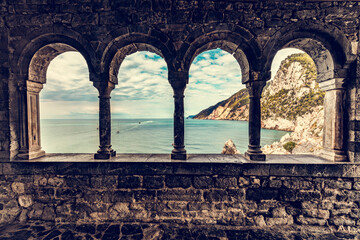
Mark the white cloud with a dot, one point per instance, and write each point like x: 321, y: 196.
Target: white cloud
x: 214, y: 76
x: 68, y: 71
x: 143, y: 90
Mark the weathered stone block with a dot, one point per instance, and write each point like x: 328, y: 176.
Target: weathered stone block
x: 36, y: 211
x: 144, y: 195
x: 279, y: 221
x: 225, y: 182
x: 338, y: 212
x: 309, y: 204
x: 279, y: 212
x: 178, y: 181
x: 215, y: 196
x: 243, y: 182
x: 18, y: 187
x: 121, y: 196
x: 69, y: 193
x: 236, y: 195
x: 194, y: 206
x: 317, y: 213
x: 45, y: 193
x: 310, y: 221
x: 296, y: 184
x: 275, y: 183
x: 55, y: 181
x: 48, y: 214
x: 338, y: 184
x: 129, y: 182
x: 153, y: 182
x: 78, y: 181
x: 356, y: 186
x: 344, y: 205
x: 119, y: 209
x: 327, y: 205
x: 342, y: 221
x: 180, y: 195
x: 262, y: 194
x: 26, y: 201
x: 203, y: 182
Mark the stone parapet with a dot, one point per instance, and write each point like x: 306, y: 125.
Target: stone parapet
x: 231, y: 191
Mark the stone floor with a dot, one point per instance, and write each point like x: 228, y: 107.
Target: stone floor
x: 48, y: 231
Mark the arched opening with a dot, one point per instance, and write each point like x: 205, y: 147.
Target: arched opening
x: 142, y: 103
x: 30, y: 143
x: 69, y: 106
x: 327, y: 87
x: 293, y: 101
x: 213, y: 90
x: 215, y: 93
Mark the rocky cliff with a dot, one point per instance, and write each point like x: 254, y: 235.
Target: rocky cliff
x: 292, y: 101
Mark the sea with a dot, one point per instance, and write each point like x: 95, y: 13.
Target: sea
x: 147, y: 135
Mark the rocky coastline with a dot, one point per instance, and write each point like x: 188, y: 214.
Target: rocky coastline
x: 291, y: 102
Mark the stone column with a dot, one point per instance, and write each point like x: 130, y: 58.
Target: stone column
x: 30, y: 144
x: 333, y: 131
x: 178, y: 82
x: 254, y: 150
x: 105, y: 151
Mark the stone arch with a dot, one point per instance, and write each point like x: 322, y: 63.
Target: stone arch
x: 142, y: 39
x: 45, y: 44
x: 32, y: 61
x: 233, y: 39
x: 325, y: 44
x: 331, y: 53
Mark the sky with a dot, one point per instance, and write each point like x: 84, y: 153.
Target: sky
x: 143, y: 90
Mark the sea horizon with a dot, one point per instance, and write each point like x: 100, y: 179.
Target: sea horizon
x: 148, y: 135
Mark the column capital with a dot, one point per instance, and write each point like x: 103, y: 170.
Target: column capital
x: 104, y: 88
x: 332, y: 84
x: 178, y: 79
x: 34, y: 87
x: 255, y: 88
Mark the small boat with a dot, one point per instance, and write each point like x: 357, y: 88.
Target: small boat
x: 118, y: 132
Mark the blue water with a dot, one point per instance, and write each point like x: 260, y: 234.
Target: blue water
x: 147, y: 135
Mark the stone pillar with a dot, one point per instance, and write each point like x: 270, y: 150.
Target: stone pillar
x: 30, y: 145
x: 178, y: 82
x: 105, y: 151
x: 254, y: 150
x: 333, y: 131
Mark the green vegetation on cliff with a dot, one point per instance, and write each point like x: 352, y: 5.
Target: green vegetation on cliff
x: 284, y: 103
x: 292, y: 93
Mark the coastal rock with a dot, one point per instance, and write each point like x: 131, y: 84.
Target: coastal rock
x: 307, y: 135
x: 230, y: 148
x: 292, y: 101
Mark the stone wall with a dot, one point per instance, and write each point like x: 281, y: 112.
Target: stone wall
x: 297, y: 197
x: 104, y: 32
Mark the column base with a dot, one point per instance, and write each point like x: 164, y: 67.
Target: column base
x: 333, y: 155
x: 31, y: 155
x: 255, y: 156
x: 105, y: 155
x: 177, y: 154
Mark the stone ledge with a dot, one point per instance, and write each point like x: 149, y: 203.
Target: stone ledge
x: 202, y: 164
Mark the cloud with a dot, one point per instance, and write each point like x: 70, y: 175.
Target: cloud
x: 214, y: 76
x: 143, y: 90
x: 67, y: 79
